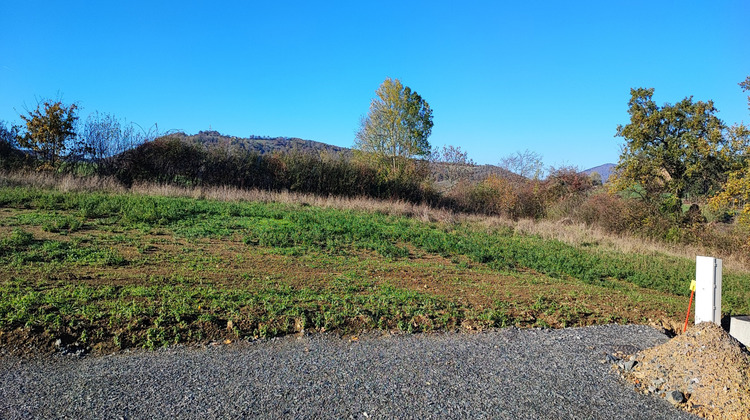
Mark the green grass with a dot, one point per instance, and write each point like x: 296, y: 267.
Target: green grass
x: 54, y: 237
x: 168, y: 313
x: 20, y: 249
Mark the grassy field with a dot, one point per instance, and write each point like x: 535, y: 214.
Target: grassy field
x: 118, y: 270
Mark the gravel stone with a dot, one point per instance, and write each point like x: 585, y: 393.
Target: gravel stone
x: 501, y: 374
x: 675, y: 397
x: 612, y: 359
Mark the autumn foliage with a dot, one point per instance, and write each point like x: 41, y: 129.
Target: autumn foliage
x: 49, y: 129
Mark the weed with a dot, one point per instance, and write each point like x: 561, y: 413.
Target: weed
x: 17, y: 241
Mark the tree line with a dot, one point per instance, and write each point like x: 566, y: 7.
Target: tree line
x: 681, y: 166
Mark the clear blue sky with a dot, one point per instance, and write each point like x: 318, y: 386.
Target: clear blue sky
x: 549, y: 76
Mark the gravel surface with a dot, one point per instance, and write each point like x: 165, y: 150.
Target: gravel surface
x: 508, y: 373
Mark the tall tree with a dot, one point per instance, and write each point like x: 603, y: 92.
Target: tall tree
x: 8, y: 134
x: 673, y: 149
x: 735, y: 193
x: 49, y: 129
x: 397, y: 126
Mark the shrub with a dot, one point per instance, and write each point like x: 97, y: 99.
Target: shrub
x: 170, y: 160
x: 529, y: 201
x: 497, y: 196
x: 605, y: 210
x: 493, y: 196
x: 564, y: 183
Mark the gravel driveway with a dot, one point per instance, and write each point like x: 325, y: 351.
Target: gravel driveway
x: 508, y: 373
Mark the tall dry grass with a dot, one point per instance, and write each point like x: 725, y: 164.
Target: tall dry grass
x: 390, y: 207
x: 567, y: 231
x: 580, y: 234
x: 60, y: 182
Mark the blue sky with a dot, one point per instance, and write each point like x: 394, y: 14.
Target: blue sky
x: 549, y: 76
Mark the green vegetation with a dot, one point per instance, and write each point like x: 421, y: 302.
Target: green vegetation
x: 395, y: 129
x: 114, y: 271
x: 683, y: 151
x: 673, y: 150
x: 677, y: 158
x: 735, y: 193
x: 49, y: 129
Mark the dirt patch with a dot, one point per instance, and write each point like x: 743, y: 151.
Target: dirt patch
x: 25, y: 341
x: 533, y: 299
x: 708, y: 366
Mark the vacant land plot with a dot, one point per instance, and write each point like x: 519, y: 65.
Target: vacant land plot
x: 111, y: 271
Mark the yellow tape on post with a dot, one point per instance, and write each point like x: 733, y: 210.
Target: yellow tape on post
x: 687, y: 315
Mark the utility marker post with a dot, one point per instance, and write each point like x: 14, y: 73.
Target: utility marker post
x: 708, y: 290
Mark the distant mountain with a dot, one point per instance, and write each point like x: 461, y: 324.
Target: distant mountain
x: 260, y: 144
x: 604, y: 170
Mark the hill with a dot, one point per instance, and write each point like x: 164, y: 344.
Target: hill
x: 267, y: 145
x: 261, y: 144
x: 604, y: 170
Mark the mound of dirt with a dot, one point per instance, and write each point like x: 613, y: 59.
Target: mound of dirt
x: 708, y: 366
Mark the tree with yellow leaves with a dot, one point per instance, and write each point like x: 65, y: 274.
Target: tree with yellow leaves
x: 735, y: 193
x: 49, y: 129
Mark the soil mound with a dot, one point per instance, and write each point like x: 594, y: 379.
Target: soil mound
x: 707, y: 365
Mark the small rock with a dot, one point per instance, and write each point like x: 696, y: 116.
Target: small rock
x: 58, y: 342
x: 612, y: 359
x: 629, y: 365
x: 675, y: 397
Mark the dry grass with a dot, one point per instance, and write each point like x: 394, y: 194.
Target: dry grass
x: 580, y: 234
x: 65, y: 183
x: 562, y: 230
x: 390, y: 207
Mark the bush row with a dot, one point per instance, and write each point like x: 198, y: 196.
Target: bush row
x: 520, y: 198
x: 173, y: 161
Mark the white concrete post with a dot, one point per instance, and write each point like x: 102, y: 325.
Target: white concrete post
x: 707, y: 290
